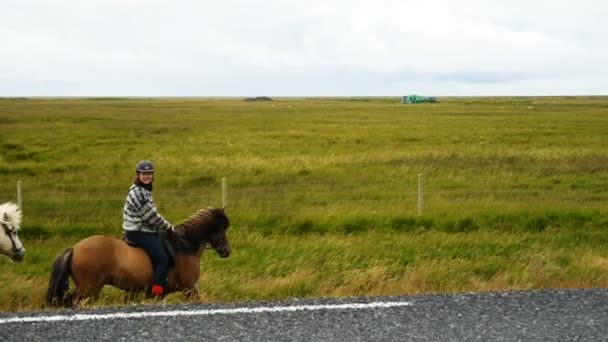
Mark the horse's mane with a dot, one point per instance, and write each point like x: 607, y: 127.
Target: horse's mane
x: 191, y: 233
x: 10, y: 213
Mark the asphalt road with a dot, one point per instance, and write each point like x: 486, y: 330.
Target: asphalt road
x: 577, y: 315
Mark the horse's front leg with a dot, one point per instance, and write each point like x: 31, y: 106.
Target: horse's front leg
x: 185, y: 276
x: 191, y: 294
x: 133, y: 296
x: 186, y: 286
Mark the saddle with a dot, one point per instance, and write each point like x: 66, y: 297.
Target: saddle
x: 166, y: 246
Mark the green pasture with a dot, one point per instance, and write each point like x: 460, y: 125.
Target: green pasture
x: 322, y: 192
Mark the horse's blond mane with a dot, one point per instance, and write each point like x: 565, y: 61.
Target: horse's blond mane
x: 10, y: 213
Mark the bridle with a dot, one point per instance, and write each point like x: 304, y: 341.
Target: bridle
x: 10, y: 233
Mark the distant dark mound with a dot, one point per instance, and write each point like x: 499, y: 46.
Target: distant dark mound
x: 259, y: 98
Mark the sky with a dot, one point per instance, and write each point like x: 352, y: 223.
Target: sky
x: 303, y: 48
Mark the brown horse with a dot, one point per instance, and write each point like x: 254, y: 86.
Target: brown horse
x: 102, y: 260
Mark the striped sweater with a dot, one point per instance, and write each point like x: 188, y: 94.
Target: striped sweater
x: 140, y: 213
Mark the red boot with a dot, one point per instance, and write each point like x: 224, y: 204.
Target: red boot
x: 157, y: 291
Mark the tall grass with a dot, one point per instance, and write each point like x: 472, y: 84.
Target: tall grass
x: 340, y: 173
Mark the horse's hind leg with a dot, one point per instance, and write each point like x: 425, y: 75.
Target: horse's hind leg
x: 84, y: 294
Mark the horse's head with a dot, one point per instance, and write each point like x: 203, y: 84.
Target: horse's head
x: 219, y: 242
x: 216, y: 235
x: 207, y: 226
x: 10, y: 219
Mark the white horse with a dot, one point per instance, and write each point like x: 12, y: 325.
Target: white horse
x: 10, y: 220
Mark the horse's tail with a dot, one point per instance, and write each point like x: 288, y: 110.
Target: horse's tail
x: 59, y: 283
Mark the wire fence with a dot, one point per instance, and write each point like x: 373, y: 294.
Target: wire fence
x: 80, y: 204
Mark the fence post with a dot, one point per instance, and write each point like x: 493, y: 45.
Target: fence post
x: 19, y: 200
x: 419, y: 194
x: 224, y: 193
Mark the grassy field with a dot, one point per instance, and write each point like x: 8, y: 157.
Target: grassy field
x: 322, y: 192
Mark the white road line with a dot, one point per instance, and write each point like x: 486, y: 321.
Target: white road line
x: 253, y: 310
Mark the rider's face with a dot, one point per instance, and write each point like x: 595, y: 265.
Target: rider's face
x: 146, y: 177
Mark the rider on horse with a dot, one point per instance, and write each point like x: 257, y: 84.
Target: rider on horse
x: 142, y: 224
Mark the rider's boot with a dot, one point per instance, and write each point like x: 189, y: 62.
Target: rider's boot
x: 157, y: 291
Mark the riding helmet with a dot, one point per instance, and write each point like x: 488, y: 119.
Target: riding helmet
x: 144, y: 166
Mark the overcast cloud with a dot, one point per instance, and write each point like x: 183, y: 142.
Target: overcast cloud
x: 303, y: 48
